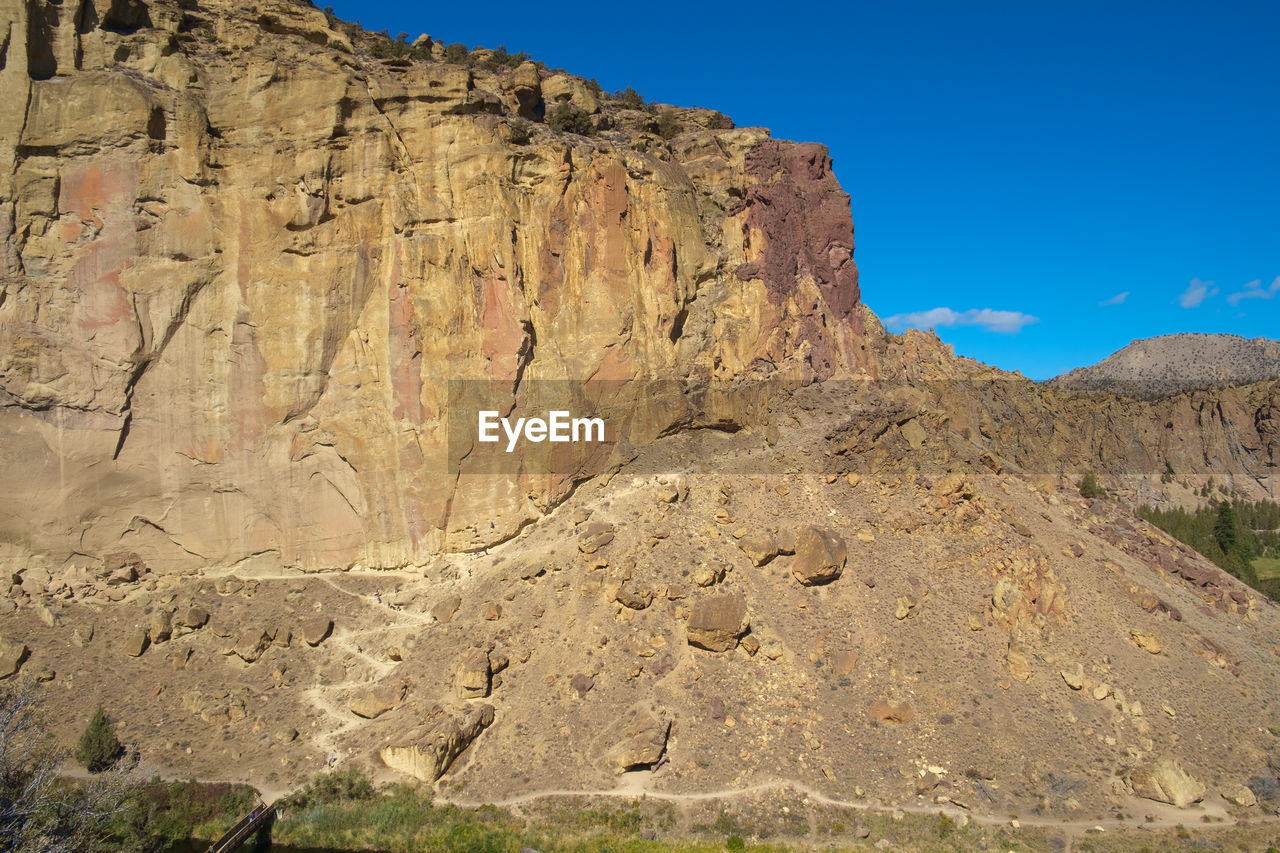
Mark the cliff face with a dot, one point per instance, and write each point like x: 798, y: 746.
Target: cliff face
x: 242, y: 263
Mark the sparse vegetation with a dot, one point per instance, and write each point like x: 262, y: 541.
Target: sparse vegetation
x: 39, y: 810
x: 1241, y: 537
x: 98, y: 747
x: 501, y: 58
x: 567, y: 118
x: 457, y: 53
x: 1089, y: 487
x: 630, y: 99
x: 668, y: 125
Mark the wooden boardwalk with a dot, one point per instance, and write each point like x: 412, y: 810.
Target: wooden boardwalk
x: 261, y: 815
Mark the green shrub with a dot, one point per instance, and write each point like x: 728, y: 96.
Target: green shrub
x: 567, y: 118
x: 457, y: 53
x: 668, y: 125
x: 343, y: 786
x: 1089, y: 487
x: 98, y: 747
x: 735, y: 842
x: 630, y: 98
x: 500, y: 58
x: 720, y: 121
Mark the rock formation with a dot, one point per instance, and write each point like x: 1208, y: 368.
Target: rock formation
x: 242, y: 267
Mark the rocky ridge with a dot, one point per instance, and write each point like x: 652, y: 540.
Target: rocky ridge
x: 232, y: 304
x: 1171, y: 364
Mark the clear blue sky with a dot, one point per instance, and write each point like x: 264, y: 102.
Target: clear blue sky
x: 1023, y: 157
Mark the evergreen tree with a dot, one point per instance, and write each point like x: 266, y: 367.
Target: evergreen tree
x: 1089, y: 487
x: 1224, y: 529
x: 98, y: 747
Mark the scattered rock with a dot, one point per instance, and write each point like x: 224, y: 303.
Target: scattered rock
x: 122, y: 567
x: 83, y: 634
x: 717, y: 622
x: 633, y: 598
x: 472, y: 678
x: 371, y: 704
x: 582, y: 684
x: 229, y: 585
x: 1239, y: 795
x: 1166, y: 782
x: 47, y: 613
x: 1019, y: 661
x: 194, y: 618
x: 12, y: 655
x: 760, y: 547
x: 316, y: 629
x: 641, y: 739
x: 597, y: 535
x: 843, y: 661
x: 1146, y: 642
x: 1075, y: 677
x: 904, y: 607
x: 492, y: 612
x: 136, y: 644
x: 448, y: 729
x: 900, y: 712
x: 251, y: 645
x: 444, y: 609
x: 820, y: 556
x: 708, y: 574
x: 161, y: 627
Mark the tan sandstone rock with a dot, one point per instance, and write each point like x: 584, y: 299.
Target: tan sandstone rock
x: 820, y: 556
x: 717, y: 622
x: 427, y: 751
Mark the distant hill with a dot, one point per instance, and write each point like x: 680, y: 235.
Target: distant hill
x: 1169, y: 364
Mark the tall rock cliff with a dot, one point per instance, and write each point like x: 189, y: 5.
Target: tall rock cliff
x: 243, y: 261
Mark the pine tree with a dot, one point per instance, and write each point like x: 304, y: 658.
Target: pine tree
x: 1224, y: 529
x: 1089, y: 487
x: 98, y: 747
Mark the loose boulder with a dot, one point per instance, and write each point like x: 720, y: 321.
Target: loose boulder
x: 820, y: 556
x: 444, y: 609
x: 1166, y: 782
x: 194, y: 618
x: 12, y: 656
x: 760, y: 548
x: 427, y: 751
x: 639, y: 740
x: 716, y: 623
x: 894, y: 712
x: 161, y: 626
x: 371, y: 704
x: 473, y: 676
x: 315, y: 630
x: 251, y: 645
x: 597, y: 535
x: 136, y: 644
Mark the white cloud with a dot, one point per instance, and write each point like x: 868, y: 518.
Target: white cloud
x: 1255, y: 290
x: 1005, y: 322
x: 1118, y: 299
x: 1197, y: 291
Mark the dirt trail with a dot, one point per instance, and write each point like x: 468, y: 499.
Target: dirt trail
x: 635, y: 785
